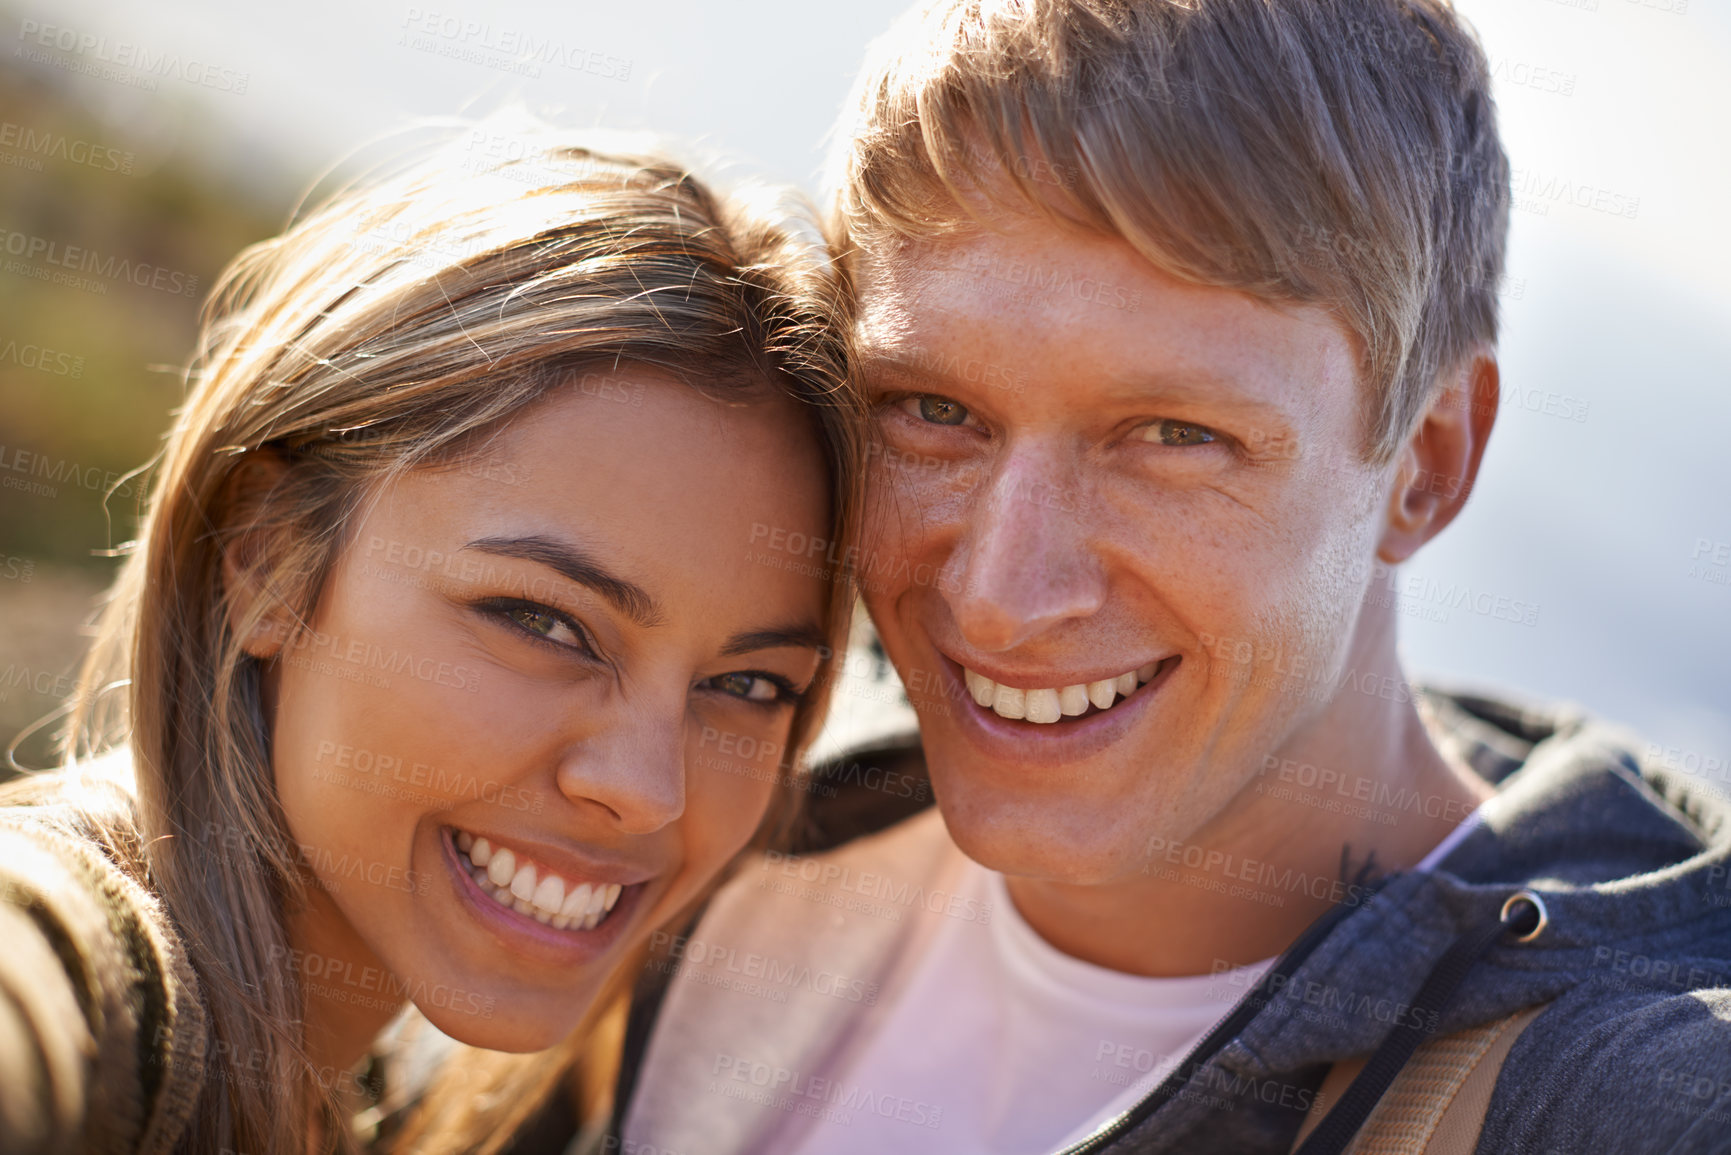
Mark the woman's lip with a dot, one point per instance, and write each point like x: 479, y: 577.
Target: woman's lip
x: 524, y: 935
x: 1032, y: 744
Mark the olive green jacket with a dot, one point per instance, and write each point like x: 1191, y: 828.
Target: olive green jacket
x: 102, y: 1029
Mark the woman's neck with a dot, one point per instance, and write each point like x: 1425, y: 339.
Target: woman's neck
x: 347, y: 991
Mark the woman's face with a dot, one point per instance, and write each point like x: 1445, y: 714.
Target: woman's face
x: 542, y: 700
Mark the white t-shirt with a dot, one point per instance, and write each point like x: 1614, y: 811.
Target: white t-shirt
x: 1023, y: 1048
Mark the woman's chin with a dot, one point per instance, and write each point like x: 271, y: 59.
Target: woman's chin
x: 519, y: 1032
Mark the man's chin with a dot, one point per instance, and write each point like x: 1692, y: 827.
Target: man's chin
x: 1052, y: 839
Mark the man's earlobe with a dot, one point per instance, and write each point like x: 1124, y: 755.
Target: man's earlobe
x: 1440, y: 463
x: 257, y: 615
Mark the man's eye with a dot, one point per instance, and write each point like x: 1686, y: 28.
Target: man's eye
x: 936, y: 410
x: 1175, y: 433
x: 753, y: 687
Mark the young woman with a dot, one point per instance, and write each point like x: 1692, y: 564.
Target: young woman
x: 455, y: 656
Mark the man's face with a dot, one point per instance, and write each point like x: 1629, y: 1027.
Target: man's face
x: 1090, y: 477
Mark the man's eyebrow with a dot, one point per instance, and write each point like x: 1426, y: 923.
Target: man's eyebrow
x: 578, y: 566
x: 804, y: 637
x: 1183, y: 387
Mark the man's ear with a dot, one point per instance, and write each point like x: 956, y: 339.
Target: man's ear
x: 1440, y: 464
x: 256, y: 614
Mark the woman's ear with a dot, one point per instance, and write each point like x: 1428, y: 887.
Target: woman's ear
x: 1440, y: 464
x: 257, y: 614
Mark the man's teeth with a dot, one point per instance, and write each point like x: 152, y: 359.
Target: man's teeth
x: 543, y: 895
x: 1047, y: 706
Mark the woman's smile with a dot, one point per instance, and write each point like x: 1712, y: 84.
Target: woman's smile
x: 571, y: 914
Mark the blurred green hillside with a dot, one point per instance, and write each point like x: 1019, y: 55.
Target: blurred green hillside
x: 90, y: 367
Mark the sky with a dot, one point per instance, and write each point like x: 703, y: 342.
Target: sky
x: 1604, y: 507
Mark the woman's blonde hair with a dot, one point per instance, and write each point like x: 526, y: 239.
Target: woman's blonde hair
x: 392, y: 328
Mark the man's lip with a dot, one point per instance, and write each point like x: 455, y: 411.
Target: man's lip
x: 573, y: 866
x: 1008, y: 742
x: 1022, y: 680
x: 524, y: 934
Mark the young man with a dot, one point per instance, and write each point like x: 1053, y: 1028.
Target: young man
x: 1180, y: 324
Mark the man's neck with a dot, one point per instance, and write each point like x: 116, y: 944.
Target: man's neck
x: 1360, y: 792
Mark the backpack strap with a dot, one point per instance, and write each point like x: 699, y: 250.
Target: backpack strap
x: 1437, y: 1104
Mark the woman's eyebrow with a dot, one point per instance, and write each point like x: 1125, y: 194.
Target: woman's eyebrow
x: 805, y: 637
x: 581, y: 567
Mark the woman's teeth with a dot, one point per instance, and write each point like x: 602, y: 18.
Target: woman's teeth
x: 1046, y: 706
x: 542, y: 895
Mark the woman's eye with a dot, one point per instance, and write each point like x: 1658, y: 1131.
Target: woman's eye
x: 936, y: 410
x: 752, y: 687
x: 1175, y: 433
x: 547, y: 625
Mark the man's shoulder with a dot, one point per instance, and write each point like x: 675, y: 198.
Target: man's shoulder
x: 1637, y: 1068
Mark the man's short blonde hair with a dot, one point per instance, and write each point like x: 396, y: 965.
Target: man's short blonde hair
x: 1342, y: 153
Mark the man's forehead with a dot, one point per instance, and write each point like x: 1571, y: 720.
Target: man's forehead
x: 1054, y: 294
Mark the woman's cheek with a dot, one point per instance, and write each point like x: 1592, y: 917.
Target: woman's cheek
x: 727, y: 796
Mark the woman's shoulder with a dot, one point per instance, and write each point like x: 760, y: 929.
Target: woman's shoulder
x: 102, y: 1031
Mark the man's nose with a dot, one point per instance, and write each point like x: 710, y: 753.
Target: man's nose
x: 1023, y: 561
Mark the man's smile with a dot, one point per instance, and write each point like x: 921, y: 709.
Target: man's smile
x: 1047, y: 705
